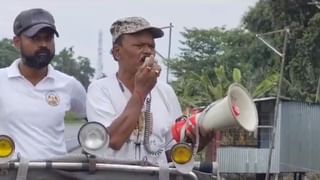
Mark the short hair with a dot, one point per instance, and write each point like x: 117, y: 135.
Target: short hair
x: 117, y: 42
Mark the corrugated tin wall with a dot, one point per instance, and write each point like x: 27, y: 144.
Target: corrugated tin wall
x: 246, y: 160
x: 297, y: 147
x: 300, y: 137
x: 249, y: 160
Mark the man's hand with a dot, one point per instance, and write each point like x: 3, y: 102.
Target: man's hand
x: 146, y: 76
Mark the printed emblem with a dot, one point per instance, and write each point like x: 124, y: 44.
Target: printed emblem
x: 52, y: 98
x: 156, y: 142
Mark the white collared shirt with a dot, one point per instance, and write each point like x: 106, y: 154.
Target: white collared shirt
x: 106, y: 101
x: 34, y: 115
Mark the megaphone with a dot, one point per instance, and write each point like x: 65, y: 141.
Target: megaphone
x: 236, y: 109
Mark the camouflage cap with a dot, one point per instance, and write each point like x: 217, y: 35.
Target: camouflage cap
x: 129, y: 25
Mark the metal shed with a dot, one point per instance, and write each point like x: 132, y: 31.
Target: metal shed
x: 297, y: 141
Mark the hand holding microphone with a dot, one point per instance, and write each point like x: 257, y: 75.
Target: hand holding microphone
x: 147, y: 75
x: 151, y: 64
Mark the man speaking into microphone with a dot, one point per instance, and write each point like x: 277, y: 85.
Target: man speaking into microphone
x: 137, y: 109
x: 120, y: 101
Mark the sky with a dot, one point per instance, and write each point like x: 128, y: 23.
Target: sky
x: 80, y: 21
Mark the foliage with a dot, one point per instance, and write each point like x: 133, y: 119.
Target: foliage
x: 78, y: 67
x: 8, y: 53
x: 213, y: 59
x: 303, y: 51
x: 209, y: 57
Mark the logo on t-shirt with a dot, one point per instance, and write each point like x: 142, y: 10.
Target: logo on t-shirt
x: 52, y: 98
x: 156, y: 144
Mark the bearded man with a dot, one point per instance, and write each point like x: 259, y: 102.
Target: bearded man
x: 34, y: 96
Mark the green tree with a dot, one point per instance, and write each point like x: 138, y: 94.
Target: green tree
x: 78, y: 67
x: 215, y: 58
x: 203, y: 50
x: 8, y: 53
x: 199, y: 90
x: 302, y: 64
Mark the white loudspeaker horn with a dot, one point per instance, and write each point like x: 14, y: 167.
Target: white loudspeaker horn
x: 236, y: 109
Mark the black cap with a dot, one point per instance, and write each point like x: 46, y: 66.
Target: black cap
x: 29, y: 22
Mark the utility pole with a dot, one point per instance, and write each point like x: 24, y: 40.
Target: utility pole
x: 169, y: 51
x: 276, y: 109
x: 99, y: 68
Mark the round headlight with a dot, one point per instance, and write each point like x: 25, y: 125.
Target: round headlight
x: 7, y: 147
x: 182, y: 157
x: 92, y: 136
x: 181, y: 153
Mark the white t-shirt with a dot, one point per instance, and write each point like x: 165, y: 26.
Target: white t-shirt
x: 34, y: 115
x: 106, y: 101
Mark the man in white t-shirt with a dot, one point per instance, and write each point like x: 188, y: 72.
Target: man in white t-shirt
x: 34, y: 96
x: 124, y: 101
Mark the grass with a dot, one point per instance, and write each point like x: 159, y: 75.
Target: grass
x: 73, y: 118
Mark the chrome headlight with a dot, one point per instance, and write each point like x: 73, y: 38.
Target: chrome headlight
x: 93, y: 138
